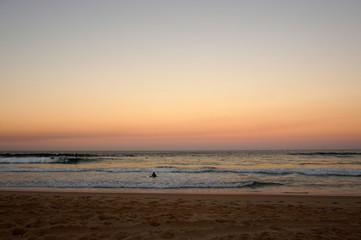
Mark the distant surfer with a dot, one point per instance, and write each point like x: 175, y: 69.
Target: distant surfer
x: 153, y: 175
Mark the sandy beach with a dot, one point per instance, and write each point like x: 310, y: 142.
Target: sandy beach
x: 61, y: 215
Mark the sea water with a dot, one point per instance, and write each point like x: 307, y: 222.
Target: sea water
x: 274, y: 172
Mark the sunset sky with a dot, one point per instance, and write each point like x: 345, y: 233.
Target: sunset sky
x: 180, y: 75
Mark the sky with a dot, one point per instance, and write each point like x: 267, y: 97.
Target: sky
x: 180, y: 75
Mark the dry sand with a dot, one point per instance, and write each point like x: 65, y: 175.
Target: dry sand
x: 36, y: 215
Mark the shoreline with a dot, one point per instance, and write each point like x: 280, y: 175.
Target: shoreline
x: 257, y: 196
x: 225, y: 192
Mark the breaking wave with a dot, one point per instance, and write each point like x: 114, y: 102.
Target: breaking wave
x: 44, y: 158
x: 16, y: 160
x: 24, y: 155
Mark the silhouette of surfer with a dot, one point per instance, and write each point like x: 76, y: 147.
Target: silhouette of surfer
x: 153, y: 175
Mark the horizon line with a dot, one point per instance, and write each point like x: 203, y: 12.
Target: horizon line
x: 188, y: 150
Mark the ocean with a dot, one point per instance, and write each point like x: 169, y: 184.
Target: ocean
x: 265, y: 172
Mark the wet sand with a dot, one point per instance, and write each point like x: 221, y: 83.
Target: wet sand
x: 61, y: 215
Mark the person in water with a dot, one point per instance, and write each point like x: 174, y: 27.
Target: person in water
x: 153, y: 175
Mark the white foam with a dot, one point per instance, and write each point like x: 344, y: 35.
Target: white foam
x: 11, y: 160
